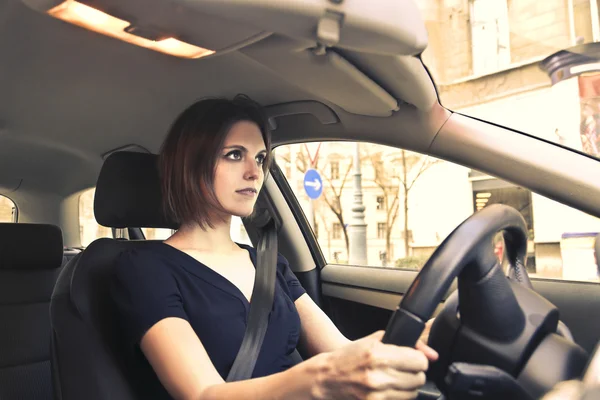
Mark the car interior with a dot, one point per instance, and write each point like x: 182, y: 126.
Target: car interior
x: 85, y: 108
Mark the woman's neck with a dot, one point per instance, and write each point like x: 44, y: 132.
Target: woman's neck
x: 214, y: 240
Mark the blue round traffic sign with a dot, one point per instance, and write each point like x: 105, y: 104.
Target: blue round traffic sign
x: 313, y: 184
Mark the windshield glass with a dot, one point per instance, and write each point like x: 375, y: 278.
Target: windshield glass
x: 529, y: 65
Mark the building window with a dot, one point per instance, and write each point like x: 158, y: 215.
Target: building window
x: 380, y: 203
x: 489, y: 35
x: 381, y: 230
x: 378, y: 170
x: 336, y: 232
x: 335, y: 170
x: 410, y: 235
x: 336, y: 256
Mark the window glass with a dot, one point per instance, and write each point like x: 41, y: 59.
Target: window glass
x: 380, y: 205
x: 412, y: 202
x: 238, y: 232
x: 336, y: 231
x: 157, y: 233
x: 381, y: 230
x: 8, y: 210
x: 490, y: 35
x: 89, y: 229
x: 335, y: 170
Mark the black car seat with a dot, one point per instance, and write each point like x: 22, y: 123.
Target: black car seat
x: 86, y: 362
x: 30, y: 259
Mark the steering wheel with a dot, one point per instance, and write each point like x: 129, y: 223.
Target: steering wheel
x: 500, y: 324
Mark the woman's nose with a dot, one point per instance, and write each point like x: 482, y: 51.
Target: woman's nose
x: 252, y: 169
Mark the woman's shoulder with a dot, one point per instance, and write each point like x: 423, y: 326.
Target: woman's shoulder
x: 140, y: 261
x: 152, y: 250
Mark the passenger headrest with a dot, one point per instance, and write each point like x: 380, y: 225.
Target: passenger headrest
x: 128, y: 192
x: 30, y: 246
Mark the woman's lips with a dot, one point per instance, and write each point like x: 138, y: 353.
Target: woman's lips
x: 247, y: 192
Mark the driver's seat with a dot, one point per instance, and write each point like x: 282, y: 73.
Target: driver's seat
x: 86, y: 361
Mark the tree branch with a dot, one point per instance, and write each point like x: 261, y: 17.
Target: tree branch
x: 424, y: 167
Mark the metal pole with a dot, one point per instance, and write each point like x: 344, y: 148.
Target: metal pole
x: 357, y: 228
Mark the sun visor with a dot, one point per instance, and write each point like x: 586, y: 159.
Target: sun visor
x: 403, y: 76
x: 328, y: 76
x: 387, y: 27
x: 320, y: 111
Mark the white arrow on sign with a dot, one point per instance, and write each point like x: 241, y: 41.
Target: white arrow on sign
x: 314, y: 184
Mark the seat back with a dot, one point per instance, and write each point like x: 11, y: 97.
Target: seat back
x: 30, y: 259
x: 87, y: 357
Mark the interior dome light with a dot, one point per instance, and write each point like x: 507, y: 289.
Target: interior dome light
x: 95, y: 20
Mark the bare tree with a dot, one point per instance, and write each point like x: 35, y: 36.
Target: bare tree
x: 332, y: 195
x: 334, y: 201
x: 395, y: 184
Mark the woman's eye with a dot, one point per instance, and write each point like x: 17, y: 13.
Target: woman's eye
x: 234, y: 155
x: 260, y: 159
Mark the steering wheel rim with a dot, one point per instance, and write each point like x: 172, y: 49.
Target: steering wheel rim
x: 467, y: 253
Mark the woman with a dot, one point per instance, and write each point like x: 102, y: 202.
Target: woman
x: 183, y: 303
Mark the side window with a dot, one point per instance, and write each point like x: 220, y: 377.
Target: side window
x: 157, y: 233
x: 237, y: 231
x: 89, y: 229
x: 412, y: 202
x: 8, y: 210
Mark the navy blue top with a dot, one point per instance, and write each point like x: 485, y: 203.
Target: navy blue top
x: 160, y: 281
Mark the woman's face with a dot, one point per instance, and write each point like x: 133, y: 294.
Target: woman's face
x: 239, y: 170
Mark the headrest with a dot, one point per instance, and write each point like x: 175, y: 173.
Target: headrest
x: 128, y: 192
x: 30, y: 246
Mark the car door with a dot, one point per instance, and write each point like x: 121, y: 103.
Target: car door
x: 406, y: 204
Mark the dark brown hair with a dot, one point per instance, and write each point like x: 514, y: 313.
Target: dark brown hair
x: 189, y: 154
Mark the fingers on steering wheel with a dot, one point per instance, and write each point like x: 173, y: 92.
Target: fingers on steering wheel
x: 430, y: 353
x: 400, y: 358
x: 389, y: 378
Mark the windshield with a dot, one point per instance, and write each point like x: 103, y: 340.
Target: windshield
x: 529, y: 65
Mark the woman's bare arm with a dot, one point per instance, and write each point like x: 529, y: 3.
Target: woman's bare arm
x: 320, y: 335
x: 186, y: 371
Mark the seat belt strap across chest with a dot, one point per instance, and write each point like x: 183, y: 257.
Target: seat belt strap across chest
x: 260, y: 306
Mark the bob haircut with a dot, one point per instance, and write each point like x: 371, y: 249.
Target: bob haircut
x: 189, y: 154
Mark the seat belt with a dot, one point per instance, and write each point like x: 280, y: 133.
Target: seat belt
x: 260, y: 305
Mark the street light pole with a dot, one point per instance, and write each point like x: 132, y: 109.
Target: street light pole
x: 357, y: 228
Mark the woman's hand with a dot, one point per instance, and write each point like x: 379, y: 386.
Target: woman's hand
x: 425, y: 334
x: 369, y: 369
x: 430, y: 353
